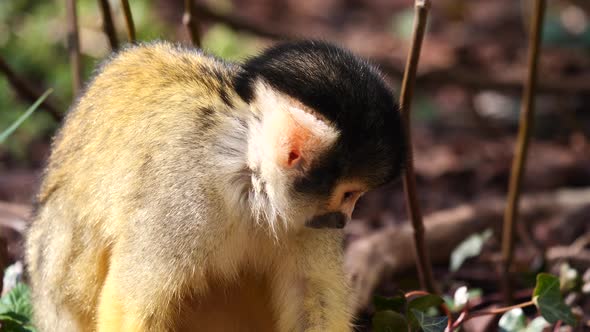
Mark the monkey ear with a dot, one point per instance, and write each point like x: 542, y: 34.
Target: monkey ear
x: 295, y: 143
x: 303, y: 137
x: 292, y: 135
x: 294, y: 158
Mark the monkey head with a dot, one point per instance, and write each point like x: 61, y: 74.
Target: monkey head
x: 327, y: 130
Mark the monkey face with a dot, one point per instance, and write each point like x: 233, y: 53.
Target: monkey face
x: 328, y: 220
x: 339, y: 207
x: 325, y: 117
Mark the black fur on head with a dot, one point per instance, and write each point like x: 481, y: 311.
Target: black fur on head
x: 348, y: 92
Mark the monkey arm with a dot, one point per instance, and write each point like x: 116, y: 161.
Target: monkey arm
x: 150, y: 273
x: 326, y: 300
x: 134, y: 299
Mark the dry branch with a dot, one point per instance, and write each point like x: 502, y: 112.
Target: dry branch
x: 526, y: 125
x: 189, y: 19
x: 128, y: 20
x: 26, y: 91
x: 73, y: 43
x: 407, y: 91
x: 376, y: 257
x: 107, y: 24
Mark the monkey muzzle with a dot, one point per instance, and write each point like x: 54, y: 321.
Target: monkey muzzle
x: 328, y: 220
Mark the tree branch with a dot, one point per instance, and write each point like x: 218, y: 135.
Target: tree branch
x: 128, y: 20
x: 189, y: 19
x: 524, y: 133
x: 407, y: 91
x: 107, y: 24
x: 383, y: 254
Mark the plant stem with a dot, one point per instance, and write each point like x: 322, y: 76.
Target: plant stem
x: 409, y: 179
x: 8, y: 131
x: 524, y: 133
x: 499, y: 310
x: 73, y: 44
x: 416, y: 293
x: 128, y: 20
x: 189, y: 20
x: 107, y: 23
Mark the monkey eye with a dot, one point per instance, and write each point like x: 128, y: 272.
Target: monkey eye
x: 348, y: 195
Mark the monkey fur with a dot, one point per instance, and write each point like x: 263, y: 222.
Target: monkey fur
x: 184, y: 193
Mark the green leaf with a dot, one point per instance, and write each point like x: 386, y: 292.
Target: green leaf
x: 548, y: 300
x: 13, y: 317
x: 470, y: 247
x: 395, y: 303
x: 512, y: 321
x: 17, y: 301
x: 23, y: 117
x: 422, y: 304
x: 389, y: 321
x: 13, y: 322
x: 430, y: 324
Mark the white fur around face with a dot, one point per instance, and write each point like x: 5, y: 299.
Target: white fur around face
x: 269, y: 144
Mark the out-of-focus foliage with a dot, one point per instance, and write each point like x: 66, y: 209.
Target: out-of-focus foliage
x: 33, y: 42
x: 227, y: 44
x: 567, y: 26
x: 16, y: 310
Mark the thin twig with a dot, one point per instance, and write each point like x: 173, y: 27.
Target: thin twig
x: 73, y: 43
x: 461, y: 319
x: 497, y: 311
x: 416, y: 293
x: 189, y: 20
x: 26, y: 92
x: 107, y: 24
x: 407, y: 91
x: 128, y: 20
x: 524, y: 132
x: 467, y: 315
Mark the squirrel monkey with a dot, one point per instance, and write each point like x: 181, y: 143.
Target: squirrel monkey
x: 184, y: 193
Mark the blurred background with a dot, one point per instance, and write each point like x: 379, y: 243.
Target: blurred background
x: 465, y: 117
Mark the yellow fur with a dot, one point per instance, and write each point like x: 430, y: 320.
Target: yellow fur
x: 133, y: 233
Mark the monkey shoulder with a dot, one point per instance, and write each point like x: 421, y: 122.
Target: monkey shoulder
x: 158, y: 70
